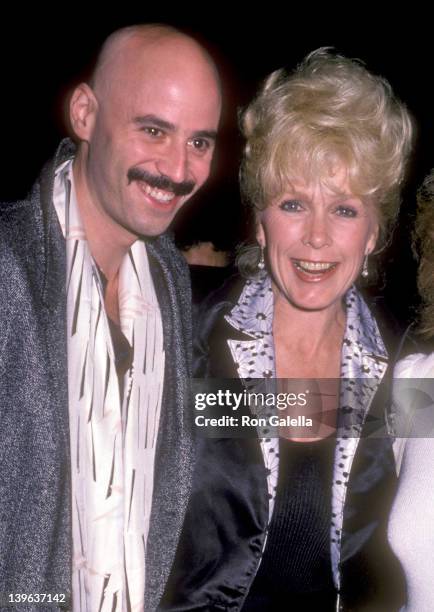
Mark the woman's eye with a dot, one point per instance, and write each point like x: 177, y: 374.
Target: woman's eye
x: 291, y: 206
x: 346, y: 211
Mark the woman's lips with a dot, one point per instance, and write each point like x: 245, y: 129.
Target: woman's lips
x: 313, y: 271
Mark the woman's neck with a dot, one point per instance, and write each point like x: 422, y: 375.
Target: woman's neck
x: 307, y: 343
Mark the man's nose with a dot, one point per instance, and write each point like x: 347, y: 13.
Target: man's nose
x: 173, y: 162
x: 317, y: 232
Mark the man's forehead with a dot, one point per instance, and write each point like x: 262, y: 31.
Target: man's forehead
x: 167, y: 100
x: 139, y: 57
x: 147, y: 78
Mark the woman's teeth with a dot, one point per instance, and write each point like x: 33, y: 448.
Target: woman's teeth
x: 313, y: 266
x: 162, y: 196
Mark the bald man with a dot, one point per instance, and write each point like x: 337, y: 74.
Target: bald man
x: 95, y: 332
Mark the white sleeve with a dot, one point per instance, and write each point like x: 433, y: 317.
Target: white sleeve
x: 417, y: 365
x: 413, y: 367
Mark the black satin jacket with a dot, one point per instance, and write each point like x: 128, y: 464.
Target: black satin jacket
x: 223, y: 535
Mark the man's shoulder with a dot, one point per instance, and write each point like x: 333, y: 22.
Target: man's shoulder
x: 20, y: 224
x: 23, y: 243
x: 11, y: 212
x: 30, y: 209
x: 16, y: 243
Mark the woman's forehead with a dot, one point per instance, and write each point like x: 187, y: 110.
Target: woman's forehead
x: 330, y: 184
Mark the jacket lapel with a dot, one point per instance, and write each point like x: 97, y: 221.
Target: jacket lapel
x: 252, y: 317
x: 364, y: 362
x: 54, y: 285
x: 174, y: 455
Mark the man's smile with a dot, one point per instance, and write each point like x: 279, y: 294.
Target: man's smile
x: 161, y: 200
x: 158, y: 194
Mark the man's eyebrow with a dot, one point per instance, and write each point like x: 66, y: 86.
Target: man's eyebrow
x: 211, y: 134
x: 170, y: 127
x: 155, y: 121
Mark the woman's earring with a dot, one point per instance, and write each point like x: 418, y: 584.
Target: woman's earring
x: 261, y: 262
x: 365, y: 271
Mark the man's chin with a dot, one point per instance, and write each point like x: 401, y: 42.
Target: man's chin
x: 151, y: 228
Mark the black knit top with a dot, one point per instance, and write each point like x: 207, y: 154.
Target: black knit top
x: 296, y: 565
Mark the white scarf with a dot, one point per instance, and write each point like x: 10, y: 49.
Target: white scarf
x: 113, y: 441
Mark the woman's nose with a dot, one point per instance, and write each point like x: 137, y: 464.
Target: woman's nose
x: 317, y: 233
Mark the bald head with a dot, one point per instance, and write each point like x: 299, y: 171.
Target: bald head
x: 162, y: 43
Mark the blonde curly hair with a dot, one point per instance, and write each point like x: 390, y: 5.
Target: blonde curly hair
x: 330, y: 111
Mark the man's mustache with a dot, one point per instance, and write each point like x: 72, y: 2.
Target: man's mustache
x: 160, y: 181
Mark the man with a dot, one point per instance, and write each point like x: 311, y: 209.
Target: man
x: 95, y: 449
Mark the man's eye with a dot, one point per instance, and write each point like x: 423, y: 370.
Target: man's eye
x: 291, y: 206
x: 200, y: 144
x: 346, y: 211
x: 153, y: 131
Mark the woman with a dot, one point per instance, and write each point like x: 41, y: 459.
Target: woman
x: 410, y: 530
x: 291, y: 523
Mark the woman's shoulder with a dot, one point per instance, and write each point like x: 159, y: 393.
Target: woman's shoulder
x: 211, y: 330
x: 417, y: 365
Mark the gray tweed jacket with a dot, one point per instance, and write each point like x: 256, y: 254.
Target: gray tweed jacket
x: 35, y: 522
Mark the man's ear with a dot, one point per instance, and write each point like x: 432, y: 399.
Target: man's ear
x: 83, y: 108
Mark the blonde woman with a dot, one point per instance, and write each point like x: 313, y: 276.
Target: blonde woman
x: 299, y: 522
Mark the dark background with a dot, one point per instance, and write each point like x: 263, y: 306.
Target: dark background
x: 43, y: 55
